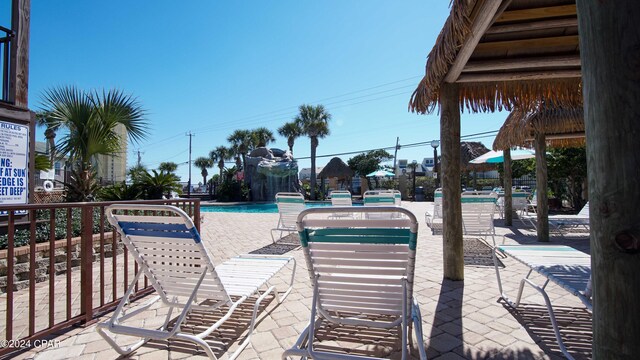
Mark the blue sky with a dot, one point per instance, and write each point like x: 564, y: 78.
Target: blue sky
x: 211, y: 67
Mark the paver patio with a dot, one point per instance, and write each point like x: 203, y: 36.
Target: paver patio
x: 460, y: 319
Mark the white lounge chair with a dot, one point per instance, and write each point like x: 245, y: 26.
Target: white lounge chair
x: 519, y: 201
x: 169, y: 252
x: 377, y: 198
x: 568, y: 222
x: 397, y: 196
x: 477, y: 215
x: 434, y: 221
x: 289, y: 206
x: 563, y: 265
x: 360, y: 269
x: 341, y: 198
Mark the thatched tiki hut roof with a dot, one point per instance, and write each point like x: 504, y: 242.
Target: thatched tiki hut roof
x: 336, y: 168
x: 562, y: 126
x: 504, y: 53
x: 493, y: 55
x: 470, y: 150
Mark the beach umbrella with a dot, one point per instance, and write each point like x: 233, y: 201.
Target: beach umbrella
x: 494, y: 157
x: 381, y: 173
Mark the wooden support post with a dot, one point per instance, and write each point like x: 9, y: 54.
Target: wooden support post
x: 508, y: 199
x: 19, y: 92
x: 541, y: 188
x: 610, y: 49
x: 451, y: 207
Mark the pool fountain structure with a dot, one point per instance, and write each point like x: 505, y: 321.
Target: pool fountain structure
x: 269, y: 171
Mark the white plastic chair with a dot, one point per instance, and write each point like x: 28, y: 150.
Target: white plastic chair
x: 289, y: 206
x: 169, y: 252
x: 360, y: 269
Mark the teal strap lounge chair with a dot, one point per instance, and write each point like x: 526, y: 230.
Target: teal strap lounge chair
x: 289, y: 206
x: 341, y: 198
x: 563, y: 265
x: 477, y: 215
x: 169, y: 252
x: 362, y: 273
x: 377, y: 198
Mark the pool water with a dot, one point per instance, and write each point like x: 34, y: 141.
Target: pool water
x: 253, y: 208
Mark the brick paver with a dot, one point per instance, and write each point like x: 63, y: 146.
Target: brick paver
x: 460, y: 319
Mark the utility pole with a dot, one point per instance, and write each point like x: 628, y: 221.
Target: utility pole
x: 190, y: 135
x: 139, y: 158
x: 395, y: 154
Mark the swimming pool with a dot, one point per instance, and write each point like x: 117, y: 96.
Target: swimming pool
x: 254, y: 208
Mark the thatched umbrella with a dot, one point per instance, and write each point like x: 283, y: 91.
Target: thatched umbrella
x: 562, y: 127
x: 336, y: 168
x: 470, y: 150
x: 553, y: 125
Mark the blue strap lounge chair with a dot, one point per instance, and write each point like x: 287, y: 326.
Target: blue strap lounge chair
x: 168, y: 249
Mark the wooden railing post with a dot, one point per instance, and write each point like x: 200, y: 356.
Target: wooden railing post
x: 86, y: 262
x: 196, y: 214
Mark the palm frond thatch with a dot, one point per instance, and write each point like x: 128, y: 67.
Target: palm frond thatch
x: 521, y: 126
x: 482, y: 96
x: 336, y: 168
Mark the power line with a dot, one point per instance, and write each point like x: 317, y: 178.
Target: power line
x: 422, y: 143
x: 288, y: 110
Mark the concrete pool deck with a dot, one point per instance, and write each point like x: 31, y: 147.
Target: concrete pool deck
x: 461, y: 320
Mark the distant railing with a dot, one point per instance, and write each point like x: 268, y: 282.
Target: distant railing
x: 5, y: 47
x: 77, y: 273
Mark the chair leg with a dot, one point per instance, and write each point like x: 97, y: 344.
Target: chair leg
x: 256, y: 306
x: 417, y: 328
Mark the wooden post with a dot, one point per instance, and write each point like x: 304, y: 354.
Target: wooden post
x: 20, y: 18
x: 451, y: 207
x: 86, y: 262
x: 541, y: 188
x: 508, y: 198
x: 610, y: 49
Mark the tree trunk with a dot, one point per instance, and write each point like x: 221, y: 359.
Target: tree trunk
x: 452, y: 209
x: 508, y: 196
x: 610, y: 54
x: 314, y: 145
x: 541, y: 188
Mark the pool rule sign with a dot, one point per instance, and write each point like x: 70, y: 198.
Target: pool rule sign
x: 14, y: 155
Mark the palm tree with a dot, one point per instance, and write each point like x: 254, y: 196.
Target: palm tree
x: 314, y: 122
x: 261, y: 137
x: 159, y: 184
x: 135, y: 173
x: 168, y: 166
x: 291, y: 131
x: 43, y: 118
x: 91, y: 119
x: 203, y: 163
x: 220, y: 154
x: 241, y: 141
